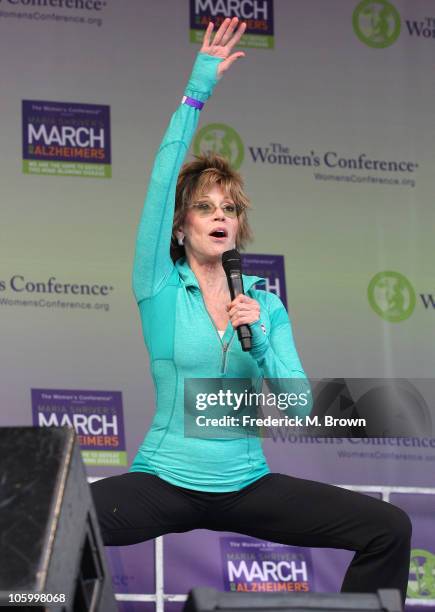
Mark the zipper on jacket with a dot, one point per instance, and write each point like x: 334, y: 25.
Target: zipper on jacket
x: 225, y: 348
x: 224, y: 356
x: 224, y: 345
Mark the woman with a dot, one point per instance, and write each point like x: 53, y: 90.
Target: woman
x: 178, y: 483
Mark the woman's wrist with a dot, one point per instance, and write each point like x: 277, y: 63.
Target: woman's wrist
x: 260, y: 341
x: 203, y: 78
x: 192, y: 102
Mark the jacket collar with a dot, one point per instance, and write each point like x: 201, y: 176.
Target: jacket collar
x: 190, y: 279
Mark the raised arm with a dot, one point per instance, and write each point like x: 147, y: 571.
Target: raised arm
x: 152, y: 263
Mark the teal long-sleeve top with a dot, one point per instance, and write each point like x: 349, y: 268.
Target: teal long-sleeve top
x: 181, y: 337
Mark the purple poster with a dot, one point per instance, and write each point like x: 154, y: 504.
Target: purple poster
x: 257, y: 566
x: 97, y: 417
x: 269, y: 267
x: 257, y: 14
x: 66, y: 139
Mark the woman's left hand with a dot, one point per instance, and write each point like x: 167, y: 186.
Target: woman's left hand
x: 243, y: 310
x: 227, y: 36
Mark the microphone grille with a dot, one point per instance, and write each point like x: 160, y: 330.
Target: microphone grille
x: 231, y: 260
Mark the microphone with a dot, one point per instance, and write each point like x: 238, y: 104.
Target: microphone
x: 232, y: 265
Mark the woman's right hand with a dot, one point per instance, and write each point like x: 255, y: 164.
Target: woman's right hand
x: 223, y: 42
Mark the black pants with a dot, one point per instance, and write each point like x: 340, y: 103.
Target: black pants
x: 136, y: 506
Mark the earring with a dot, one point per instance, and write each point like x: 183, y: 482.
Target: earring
x: 180, y: 240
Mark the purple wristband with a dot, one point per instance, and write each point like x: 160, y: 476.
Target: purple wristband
x: 192, y: 102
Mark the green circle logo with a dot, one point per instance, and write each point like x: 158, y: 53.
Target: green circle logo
x: 221, y: 139
x: 376, y: 23
x: 421, y: 583
x: 391, y: 296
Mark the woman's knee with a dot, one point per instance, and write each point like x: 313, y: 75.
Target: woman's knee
x: 402, y: 525
x: 396, y: 523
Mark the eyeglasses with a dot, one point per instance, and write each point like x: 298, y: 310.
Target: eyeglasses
x: 206, y: 209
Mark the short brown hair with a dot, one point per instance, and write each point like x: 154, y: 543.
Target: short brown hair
x: 197, y: 177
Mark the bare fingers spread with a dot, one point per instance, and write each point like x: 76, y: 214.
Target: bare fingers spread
x: 227, y: 36
x: 221, y: 31
x: 207, y: 35
x: 229, y: 31
x: 237, y: 35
